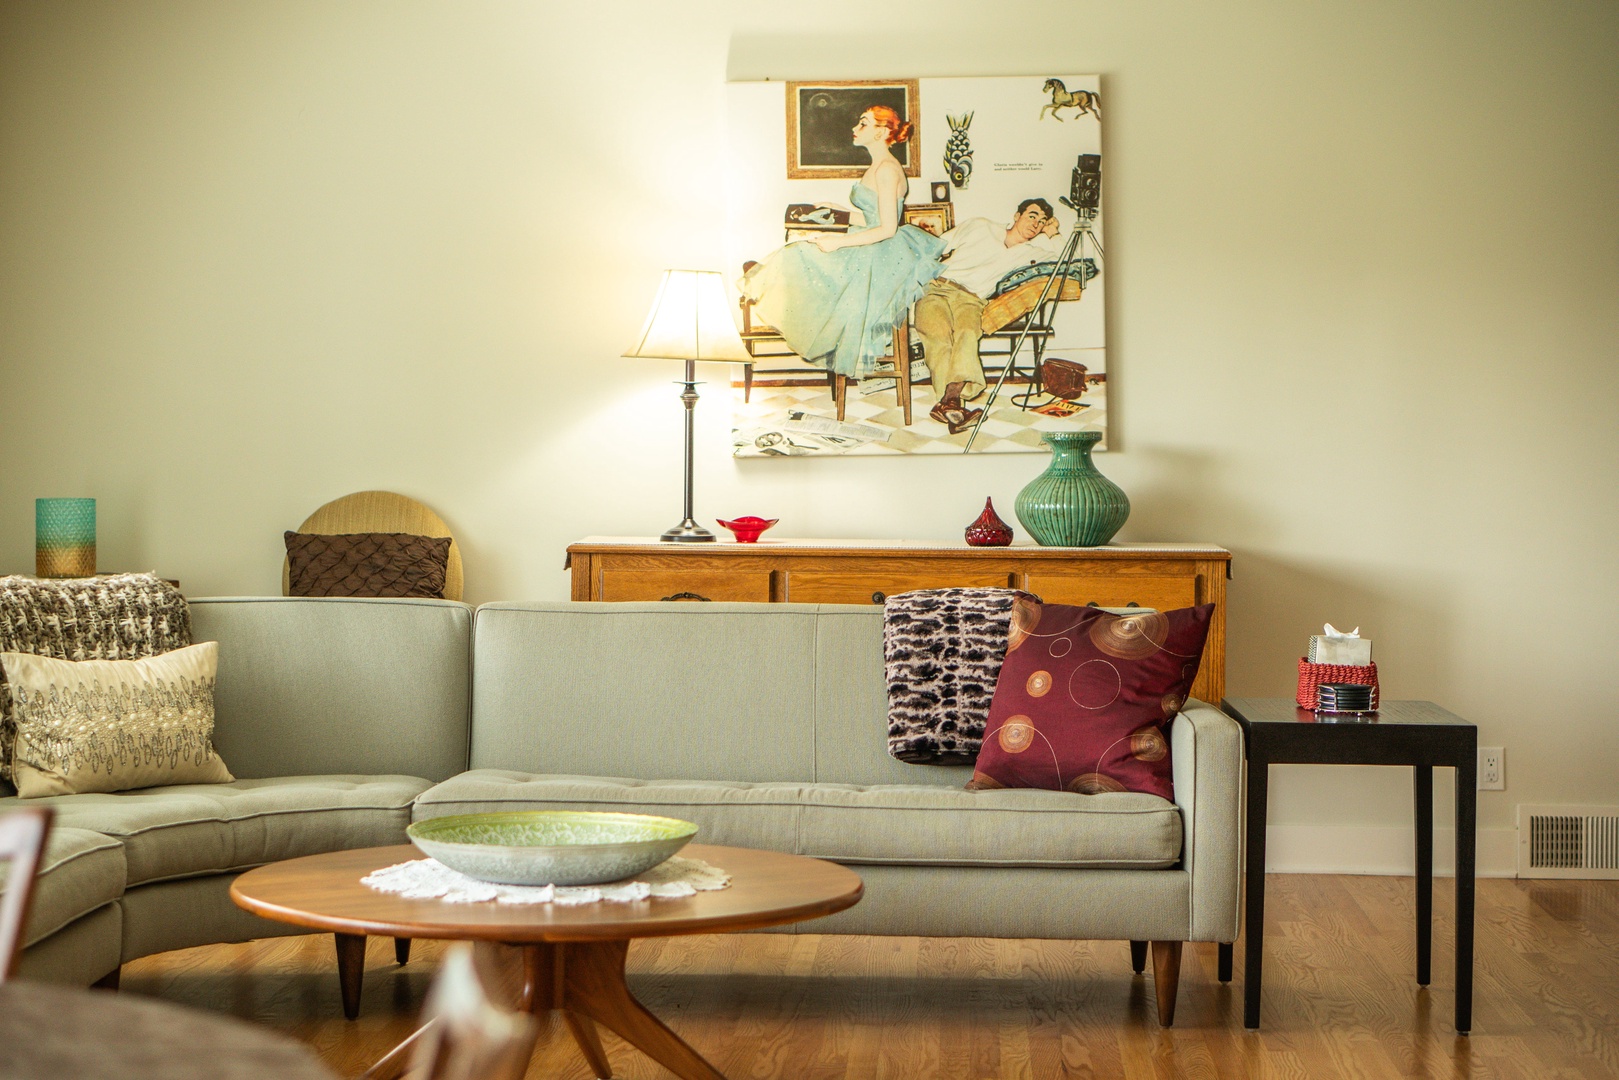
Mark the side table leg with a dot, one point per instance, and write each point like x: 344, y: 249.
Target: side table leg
x: 1423, y: 789
x: 1254, y: 902
x: 1466, y: 839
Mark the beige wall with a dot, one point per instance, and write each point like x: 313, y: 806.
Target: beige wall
x: 1363, y: 277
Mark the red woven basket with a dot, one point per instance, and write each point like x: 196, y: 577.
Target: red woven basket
x: 1313, y: 675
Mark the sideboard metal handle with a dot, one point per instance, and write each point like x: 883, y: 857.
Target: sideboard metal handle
x: 688, y: 596
x: 1132, y: 604
x: 1092, y: 603
x: 877, y: 598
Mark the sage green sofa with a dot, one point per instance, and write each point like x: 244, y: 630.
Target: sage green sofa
x: 333, y: 715
x: 764, y: 724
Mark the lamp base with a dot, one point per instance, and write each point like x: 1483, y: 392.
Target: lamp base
x: 688, y: 532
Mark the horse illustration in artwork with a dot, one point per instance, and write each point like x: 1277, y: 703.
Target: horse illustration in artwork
x: 1064, y: 98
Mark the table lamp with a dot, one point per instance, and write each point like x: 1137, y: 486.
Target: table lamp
x: 690, y: 321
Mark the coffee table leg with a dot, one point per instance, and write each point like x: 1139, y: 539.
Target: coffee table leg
x: 393, y: 1064
x: 350, y: 971
x: 590, y: 1044
x: 545, y: 988
x: 586, y: 981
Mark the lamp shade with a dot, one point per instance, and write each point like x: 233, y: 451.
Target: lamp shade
x: 690, y: 320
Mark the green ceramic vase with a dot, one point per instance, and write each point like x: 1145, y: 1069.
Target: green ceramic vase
x: 1071, y: 504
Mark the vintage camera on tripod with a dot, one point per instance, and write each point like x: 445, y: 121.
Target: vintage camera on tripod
x: 1085, y: 187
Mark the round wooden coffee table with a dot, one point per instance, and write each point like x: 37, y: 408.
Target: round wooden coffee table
x: 573, y: 957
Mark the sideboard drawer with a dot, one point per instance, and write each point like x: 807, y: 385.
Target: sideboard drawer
x: 813, y: 587
x: 623, y: 585
x: 1116, y: 590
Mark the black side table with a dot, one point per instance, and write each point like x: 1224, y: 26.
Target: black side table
x: 1415, y: 733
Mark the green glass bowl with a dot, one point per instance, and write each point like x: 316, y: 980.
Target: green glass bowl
x: 551, y: 847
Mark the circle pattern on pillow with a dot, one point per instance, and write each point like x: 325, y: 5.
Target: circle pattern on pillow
x: 1016, y: 735
x: 1086, y: 698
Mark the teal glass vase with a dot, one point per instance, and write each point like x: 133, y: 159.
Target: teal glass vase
x: 64, y: 538
x: 1071, y: 504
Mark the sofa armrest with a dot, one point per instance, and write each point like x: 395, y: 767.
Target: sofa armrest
x: 1206, y: 749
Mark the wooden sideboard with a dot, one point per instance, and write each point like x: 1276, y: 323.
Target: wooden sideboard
x: 1163, y: 576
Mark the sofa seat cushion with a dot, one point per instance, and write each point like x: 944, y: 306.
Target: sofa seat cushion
x: 79, y: 872
x: 189, y: 830
x: 885, y: 824
x: 744, y: 815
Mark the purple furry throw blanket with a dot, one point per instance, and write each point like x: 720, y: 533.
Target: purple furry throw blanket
x: 942, y: 652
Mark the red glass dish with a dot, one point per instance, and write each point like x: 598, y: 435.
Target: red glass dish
x: 747, y: 529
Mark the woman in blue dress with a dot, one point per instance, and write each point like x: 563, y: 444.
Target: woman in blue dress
x: 837, y: 298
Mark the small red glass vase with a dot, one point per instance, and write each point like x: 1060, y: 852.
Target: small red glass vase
x: 989, y: 530
x: 747, y: 529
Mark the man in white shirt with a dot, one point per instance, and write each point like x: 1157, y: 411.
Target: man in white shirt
x: 978, y: 253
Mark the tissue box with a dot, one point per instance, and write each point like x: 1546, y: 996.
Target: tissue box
x: 1340, y: 650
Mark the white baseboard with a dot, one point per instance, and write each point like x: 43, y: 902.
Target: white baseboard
x: 1365, y: 849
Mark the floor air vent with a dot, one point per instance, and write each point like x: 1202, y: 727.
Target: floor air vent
x: 1568, y: 842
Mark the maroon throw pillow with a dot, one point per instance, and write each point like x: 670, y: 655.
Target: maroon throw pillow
x: 1086, y: 697
x: 366, y: 564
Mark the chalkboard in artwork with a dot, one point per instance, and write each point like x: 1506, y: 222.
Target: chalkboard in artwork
x: 821, y: 115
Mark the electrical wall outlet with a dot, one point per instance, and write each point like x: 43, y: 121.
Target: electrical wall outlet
x: 1492, y: 768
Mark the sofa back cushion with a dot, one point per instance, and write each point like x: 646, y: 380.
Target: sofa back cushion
x: 751, y: 693
x: 698, y: 691
x: 851, y: 725
x: 314, y: 686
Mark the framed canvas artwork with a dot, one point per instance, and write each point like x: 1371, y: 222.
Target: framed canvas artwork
x: 926, y: 274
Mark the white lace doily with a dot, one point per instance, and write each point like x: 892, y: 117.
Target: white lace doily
x: 429, y: 879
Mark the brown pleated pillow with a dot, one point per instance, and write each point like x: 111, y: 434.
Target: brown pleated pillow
x: 366, y: 564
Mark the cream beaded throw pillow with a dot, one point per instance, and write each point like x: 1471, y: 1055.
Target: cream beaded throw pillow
x: 114, y: 725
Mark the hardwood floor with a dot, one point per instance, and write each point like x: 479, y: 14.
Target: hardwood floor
x: 1340, y: 997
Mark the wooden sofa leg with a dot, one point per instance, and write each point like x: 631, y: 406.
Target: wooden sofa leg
x: 350, y: 971
x: 109, y: 981
x: 1138, y: 956
x: 402, y: 950
x: 1166, y: 977
x: 1225, y: 951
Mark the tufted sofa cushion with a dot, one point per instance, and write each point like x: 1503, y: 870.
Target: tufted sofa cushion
x: 886, y: 824
x: 193, y: 829
x: 79, y: 872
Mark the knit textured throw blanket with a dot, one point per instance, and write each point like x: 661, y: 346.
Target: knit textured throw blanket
x: 942, y: 652
x: 121, y: 617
